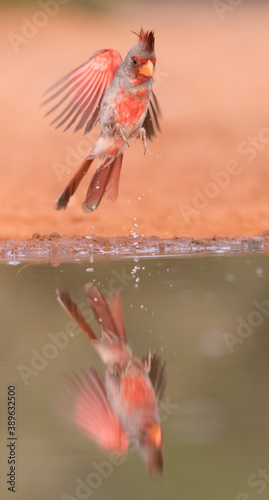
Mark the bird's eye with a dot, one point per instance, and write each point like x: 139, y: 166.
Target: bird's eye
x: 134, y: 60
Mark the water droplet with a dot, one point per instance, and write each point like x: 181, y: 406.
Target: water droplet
x: 230, y: 277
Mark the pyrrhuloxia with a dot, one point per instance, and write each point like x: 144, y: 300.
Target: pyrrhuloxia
x: 123, y: 406
x: 119, y: 95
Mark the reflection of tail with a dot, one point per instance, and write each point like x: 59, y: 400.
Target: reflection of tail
x: 113, y: 347
x: 107, y: 313
x: 73, y: 310
x: 105, y: 181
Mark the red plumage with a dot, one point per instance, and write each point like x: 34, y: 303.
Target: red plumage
x: 117, y: 94
x: 122, y: 406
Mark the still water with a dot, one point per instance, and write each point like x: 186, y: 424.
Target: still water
x: 207, y: 317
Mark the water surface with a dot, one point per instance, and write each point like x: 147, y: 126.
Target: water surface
x: 206, y: 316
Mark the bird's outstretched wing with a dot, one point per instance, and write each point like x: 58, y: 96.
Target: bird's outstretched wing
x: 81, y: 91
x: 151, y: 122
x: 93, y: 414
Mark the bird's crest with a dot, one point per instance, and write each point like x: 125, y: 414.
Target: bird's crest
x: 146, y: 37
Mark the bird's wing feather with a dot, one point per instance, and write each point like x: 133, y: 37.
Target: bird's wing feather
x: 82, y: 91
x: 151, y: 122
x: 93, y: 413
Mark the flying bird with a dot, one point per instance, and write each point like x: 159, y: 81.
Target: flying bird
x: 118, y: 94
x: 122, y: 407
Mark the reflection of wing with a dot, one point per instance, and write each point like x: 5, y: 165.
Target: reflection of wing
x: 107, y: 313
x: 83, y: 90
x: 94, y: 414
x: 157, y: 375
x: 151, y: 121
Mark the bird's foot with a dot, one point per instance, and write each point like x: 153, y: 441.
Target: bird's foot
x: 127, y: 366
x: 147, y: 362
x: 115, y: 370
x: 143, y: 137
x: 120, y: 131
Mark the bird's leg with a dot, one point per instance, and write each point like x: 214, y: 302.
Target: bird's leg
x: 115, y: 370
x: 147, y: 363
x: 121, y: 132
x: 127, y: 366
x: 143, y: 137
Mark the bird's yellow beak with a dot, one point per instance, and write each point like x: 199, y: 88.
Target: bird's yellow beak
x: 147, y: 69
x: 155, y: 433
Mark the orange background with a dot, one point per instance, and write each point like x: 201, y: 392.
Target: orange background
x: 212, y: 82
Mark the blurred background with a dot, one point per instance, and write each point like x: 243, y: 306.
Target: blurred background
x: 205, y: 174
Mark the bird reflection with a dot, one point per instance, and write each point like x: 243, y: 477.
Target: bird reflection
x: 122, y: 407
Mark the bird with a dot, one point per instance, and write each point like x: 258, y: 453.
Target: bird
x: 118, y: 94
x: 120, y: 408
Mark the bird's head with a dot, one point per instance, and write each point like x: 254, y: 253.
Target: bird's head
x: 140, y: 60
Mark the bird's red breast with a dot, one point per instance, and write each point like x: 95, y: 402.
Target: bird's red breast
x: 136, y: 392
x: 131, y: 107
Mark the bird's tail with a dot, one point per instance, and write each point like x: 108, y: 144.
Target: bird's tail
x: 63, y: 199
x: 107, y: 313
x: 113, y: 346
x: 104, y: 182
x: 73, y: 310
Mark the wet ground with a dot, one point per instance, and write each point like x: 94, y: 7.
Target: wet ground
x: 206, y: 316
x: 56, y: 249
